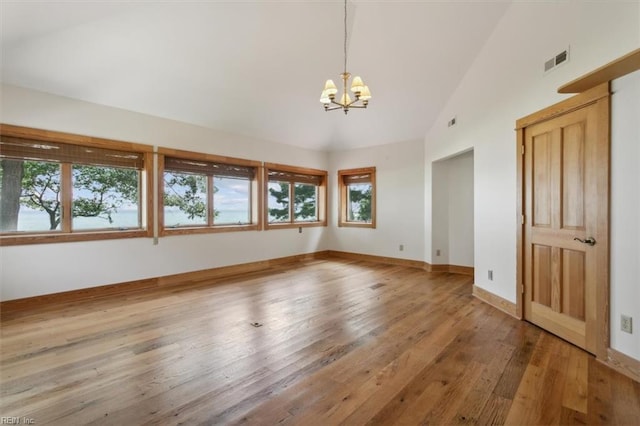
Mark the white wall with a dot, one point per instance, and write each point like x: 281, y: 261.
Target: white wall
x: 507, y: 82
x: 400, y: 203
x: 461, y: 209
x: 440, y: 212
x: 625, y: 212
x: 452, y: 192
x: 49, y: 268
x: 399, y: 206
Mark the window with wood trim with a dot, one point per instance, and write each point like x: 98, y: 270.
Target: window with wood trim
x: 207, y: 193
x: 62, y: 187
x: 357, y: 188
x: 294, y: 196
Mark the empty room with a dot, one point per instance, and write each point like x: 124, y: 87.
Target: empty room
x: 311, y: 212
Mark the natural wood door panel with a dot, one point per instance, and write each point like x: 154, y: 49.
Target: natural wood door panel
x: 572, y: 330
x: 542, y: 275
x: 573, y: 176
x: 573, y: 283
x: 556, y: 279
x: 542, y: 180
x: 565, y: 193
x: 564, y: 238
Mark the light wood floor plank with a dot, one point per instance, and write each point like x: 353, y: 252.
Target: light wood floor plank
x: 341, y: 342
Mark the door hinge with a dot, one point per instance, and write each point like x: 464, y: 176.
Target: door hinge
x: 522, y: 219
x: 522, y: 149
x: 521, y: 289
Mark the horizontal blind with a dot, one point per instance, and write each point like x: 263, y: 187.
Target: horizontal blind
x: 209, y: 168
x: 30, y: 149
x: 282, y: 176
x: 359, y: 178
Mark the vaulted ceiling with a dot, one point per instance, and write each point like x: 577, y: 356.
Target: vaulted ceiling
x: 252, y: 67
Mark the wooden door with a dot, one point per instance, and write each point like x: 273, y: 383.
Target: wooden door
x: 565, y: 256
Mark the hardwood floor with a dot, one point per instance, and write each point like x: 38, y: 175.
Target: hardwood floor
x: 340, y: 342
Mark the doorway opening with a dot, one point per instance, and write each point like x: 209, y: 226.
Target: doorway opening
x: 453, y: 214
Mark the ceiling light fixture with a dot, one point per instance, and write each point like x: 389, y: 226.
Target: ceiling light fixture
x: 359, y: 89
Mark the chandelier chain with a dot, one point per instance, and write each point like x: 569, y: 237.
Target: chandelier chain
x: 345, y: 36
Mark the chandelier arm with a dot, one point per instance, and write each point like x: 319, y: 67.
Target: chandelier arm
x: 334, y: 108
x: 352, y: 104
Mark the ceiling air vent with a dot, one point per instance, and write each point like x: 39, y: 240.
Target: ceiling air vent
x: 549, y: 64
x: 557, y: 60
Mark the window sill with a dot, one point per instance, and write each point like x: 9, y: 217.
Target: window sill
x: 46, y: 238
x: 288, y: 225
x: 208, y: 229
x: 356, y: 225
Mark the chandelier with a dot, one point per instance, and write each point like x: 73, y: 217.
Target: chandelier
x: 359, y: 89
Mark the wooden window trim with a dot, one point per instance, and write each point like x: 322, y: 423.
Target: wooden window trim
x: 254, y: 195
x: 342, y: 195
x: 321, y: 175
x: 65, y: 234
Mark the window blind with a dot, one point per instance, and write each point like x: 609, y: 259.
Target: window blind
x: 283, y: 176
x: 359, y: 178
x: 31, y: 149
x: 209, y: 168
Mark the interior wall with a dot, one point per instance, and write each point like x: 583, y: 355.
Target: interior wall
x: 70, y: 266
x: 506, y: 82
x: 399, y: 201
x: 440, y: 212
x: 625, y: 212
x: 461, y: 209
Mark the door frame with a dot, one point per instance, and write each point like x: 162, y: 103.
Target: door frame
x: 601, y: 95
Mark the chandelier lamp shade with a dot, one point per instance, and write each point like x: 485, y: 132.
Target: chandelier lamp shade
x: 360, y: 90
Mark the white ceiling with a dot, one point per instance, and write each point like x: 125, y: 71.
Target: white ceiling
x: 252, y: 67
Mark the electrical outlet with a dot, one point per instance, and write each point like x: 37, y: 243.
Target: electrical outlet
x: 438, y: 252
x: 626, y: 324
x: 401, y: 247
x: 490, y: 275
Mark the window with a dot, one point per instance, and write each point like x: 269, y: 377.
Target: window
x: 206, y: 193
x: 61, y: 187
x: 357, y: 197
x: 294, y: 196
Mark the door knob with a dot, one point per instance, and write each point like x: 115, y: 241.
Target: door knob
x: 591, y: 241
